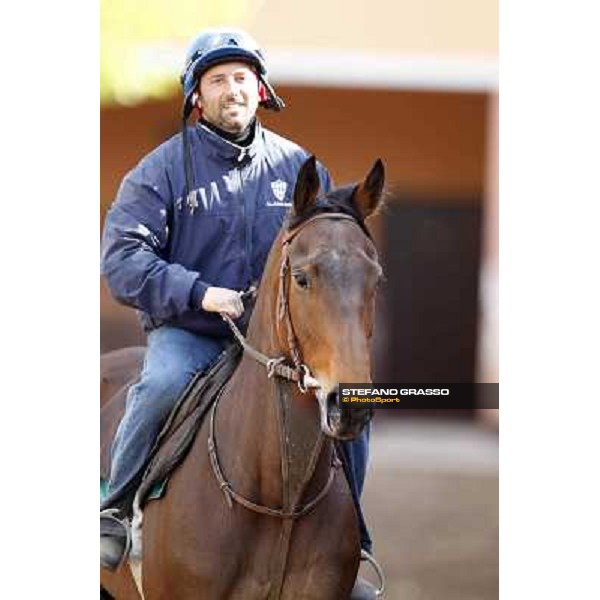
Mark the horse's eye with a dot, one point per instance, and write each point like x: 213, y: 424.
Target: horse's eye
x: 301, y: 278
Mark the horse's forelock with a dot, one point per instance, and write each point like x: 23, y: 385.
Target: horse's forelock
x: 339, y: 200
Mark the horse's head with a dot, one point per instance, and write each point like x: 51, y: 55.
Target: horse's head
x: 330, y: 283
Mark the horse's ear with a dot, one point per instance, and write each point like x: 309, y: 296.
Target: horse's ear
x: 307, y: 185
x: 368, y: 194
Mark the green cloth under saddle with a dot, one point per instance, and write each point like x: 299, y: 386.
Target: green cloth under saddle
x: 158, y: 490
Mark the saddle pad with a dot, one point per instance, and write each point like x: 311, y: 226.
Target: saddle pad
x: 177, y: 435
x: 158, y: 491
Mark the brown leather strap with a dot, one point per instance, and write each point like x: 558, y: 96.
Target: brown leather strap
x: 292, y: 233
x: 231, y: 495
x: 274, y: 366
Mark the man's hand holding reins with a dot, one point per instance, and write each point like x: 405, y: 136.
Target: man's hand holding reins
x: 223, y: 300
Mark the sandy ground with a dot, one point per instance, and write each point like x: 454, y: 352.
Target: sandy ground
x: 431, y: 500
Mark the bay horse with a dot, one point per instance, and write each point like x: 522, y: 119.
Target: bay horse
x: 274, y: 518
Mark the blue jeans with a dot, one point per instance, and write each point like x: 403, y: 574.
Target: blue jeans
x: 173, y: 357
x: 356, y: 455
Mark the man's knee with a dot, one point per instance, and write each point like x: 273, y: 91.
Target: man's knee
x: 158, y: 392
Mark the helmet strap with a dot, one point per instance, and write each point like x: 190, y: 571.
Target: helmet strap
x: 187, y: 159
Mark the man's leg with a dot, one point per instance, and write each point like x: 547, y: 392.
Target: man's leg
x: 173, y: 357
x: 356, y: 455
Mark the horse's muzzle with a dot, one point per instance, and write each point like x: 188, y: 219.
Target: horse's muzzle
x: 338, y: 420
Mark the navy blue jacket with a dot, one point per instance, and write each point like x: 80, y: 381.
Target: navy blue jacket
x: 161, y: 250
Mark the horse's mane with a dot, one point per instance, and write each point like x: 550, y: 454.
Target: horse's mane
x: 339, y: 200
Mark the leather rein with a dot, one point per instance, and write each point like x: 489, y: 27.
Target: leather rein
x: 299, y: 373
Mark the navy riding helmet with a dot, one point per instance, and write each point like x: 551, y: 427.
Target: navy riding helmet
x: 216, y: 46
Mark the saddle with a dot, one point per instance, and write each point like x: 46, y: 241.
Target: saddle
x: 179, y: 431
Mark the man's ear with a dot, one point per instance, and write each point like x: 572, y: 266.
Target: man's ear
x: 368, y: 194
x: 307, y: 186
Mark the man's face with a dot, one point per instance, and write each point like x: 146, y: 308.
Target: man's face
x: 229, y: 96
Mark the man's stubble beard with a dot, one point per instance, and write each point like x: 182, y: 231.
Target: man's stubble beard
x: 236, y: 124
x: 233, y: 125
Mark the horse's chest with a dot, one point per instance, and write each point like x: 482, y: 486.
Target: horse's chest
x: 254, y: 561
x: 223, y: 553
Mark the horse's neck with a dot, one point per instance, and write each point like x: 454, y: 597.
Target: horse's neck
x: 274, y: 431
x: 269, y: 438
x: 302, y: 441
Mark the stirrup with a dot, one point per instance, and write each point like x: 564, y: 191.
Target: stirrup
x: 364, y: 555
x: 115, y: 539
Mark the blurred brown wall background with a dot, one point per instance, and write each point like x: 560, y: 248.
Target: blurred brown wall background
x: 433, y: 145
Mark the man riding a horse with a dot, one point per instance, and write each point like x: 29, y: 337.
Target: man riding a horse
x: 189, y: 232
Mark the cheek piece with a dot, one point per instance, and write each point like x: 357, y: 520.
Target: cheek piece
x: 262, y: 92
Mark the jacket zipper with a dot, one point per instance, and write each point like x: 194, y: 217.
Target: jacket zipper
x: 247, y: 244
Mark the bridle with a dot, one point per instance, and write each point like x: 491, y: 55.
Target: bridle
x: 299, y: 373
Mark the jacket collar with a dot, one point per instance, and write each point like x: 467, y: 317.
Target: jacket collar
x: 217, y: 146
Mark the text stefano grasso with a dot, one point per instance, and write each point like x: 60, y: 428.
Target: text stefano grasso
x: 396, y: 391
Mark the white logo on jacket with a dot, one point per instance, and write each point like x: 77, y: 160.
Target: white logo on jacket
x: 279, y: 188
x: 207, y: 201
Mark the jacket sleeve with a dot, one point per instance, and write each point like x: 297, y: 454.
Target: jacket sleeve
x: 134, y: 246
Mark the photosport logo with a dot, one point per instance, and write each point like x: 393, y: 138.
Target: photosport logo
x: 465, y: 396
